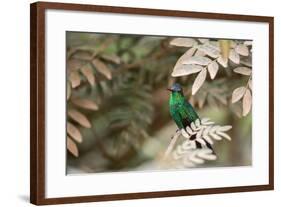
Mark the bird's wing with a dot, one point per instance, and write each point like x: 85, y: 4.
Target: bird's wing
x: 176, y: 116
x: 192, y: 113
x: 187, y: 113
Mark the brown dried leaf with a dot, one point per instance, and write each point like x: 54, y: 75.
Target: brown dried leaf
x: 247, y: 102
x: 183, y: 42
x: 74, y: 79
x: 248, y: 43
x: 242, y: 50
x: 223, y: 62
x: 234, y: 57
x: 72, y: 147
x: 213, y: 69
x: 201, y: 77
x: 79, y: 118
x: 238, y: 94
x: 185, y: 56
x: 74, y: 65
x: 215, y: 44
x: 74, y: 132
x: 210, y: 49
x: 86, y: 104
x: 68, y: 90
x: 112, y: 58
x: 200, y: 53
x: 88, y: 73
x: 224, y: 128
x: 250, y: 84
x: 183, y: 70
x: 243, y: 70
x: 83, y: 55
x: 199, y: 60
x: 102, y: 68
x: 247, y: 63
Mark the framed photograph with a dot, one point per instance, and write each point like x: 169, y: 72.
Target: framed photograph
x: 130, y: 103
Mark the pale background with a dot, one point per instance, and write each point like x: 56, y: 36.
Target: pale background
x: 14, y: 110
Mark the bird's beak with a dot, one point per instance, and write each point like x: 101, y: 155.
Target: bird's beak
x: 169, y: 89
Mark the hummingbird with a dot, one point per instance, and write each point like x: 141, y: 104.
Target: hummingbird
x: 183, y: 112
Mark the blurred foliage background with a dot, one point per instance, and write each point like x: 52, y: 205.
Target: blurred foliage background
x: 117, y: 103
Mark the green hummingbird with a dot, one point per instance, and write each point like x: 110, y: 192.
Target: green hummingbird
x: 183, y: 112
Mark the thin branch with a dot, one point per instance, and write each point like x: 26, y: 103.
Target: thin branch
x: 172, y: 144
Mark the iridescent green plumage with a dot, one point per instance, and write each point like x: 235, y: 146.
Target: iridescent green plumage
x: 181, y: 110
x: 183, y: 113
